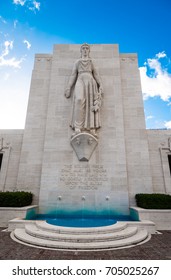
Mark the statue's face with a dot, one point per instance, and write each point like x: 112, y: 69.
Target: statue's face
x: 85, y: 51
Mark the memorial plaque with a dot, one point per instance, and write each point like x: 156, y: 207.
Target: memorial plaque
x: 79, y: 177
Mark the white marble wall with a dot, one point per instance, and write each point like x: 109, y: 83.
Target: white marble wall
x: 109, y: 157
x: 137, y: 153
x: 159, y: 151
x: 12, y: 141
x: 33, y: 140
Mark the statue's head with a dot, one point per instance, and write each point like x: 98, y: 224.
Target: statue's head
x: 85, y: 50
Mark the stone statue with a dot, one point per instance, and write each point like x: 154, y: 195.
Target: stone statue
x: 87, y: 94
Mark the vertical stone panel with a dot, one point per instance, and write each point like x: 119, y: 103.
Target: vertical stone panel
x: 137, y: 153
x: 33, y: 141
x: 103, y: 179
x: 159, y: 150
x: 11, y: 150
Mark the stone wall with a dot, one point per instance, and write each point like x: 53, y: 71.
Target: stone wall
x: 104, y: 177
x: 10, y: 145
x: 137, y: 154
x: 161, y: 218
x: 10, y: 213
x: 30, y: 166
x: 159, y: 150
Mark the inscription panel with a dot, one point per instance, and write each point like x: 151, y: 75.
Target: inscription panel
x: 89, y: 177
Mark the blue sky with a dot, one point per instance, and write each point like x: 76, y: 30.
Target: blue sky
x: 33, y: 26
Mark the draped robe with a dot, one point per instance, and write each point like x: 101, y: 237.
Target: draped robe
x: 85, y: 92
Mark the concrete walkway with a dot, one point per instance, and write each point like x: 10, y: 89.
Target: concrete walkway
x: 158, y: 248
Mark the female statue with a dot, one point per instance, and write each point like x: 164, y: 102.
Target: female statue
x: 87, y: 94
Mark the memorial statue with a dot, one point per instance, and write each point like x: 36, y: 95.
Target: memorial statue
x: 87, y: 94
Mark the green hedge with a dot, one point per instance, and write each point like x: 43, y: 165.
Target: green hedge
x: 15, y: 199
x: 153, y: 201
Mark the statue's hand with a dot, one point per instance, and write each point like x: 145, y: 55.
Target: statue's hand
x: 100, y: 90
x: 67, y: 93
x: 95, y: 108
x: 97, y: 102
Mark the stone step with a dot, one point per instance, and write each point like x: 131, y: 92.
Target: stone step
x: 71, y: 230
x: 20, y: 234
x: 33, y: 230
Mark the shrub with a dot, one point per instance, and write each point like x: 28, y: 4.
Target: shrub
x: 15, y: 199
x: 153, y: 201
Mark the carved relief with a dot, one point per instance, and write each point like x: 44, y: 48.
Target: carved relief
x: 165, y: 145
x: 84, y: 145
x: 87, y: 99
x: 87, y: 94
x: 3, y: 144
x: 82, y: 177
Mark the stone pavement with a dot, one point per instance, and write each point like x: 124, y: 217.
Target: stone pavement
x: 158, y: 248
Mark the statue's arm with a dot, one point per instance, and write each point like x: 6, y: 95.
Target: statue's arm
x: 72, y: 80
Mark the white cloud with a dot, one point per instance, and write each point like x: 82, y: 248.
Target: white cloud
x: 155, y: 78
x: 19, y: 2
x: 30, y: 4
x: 36, y: 5
x: 13, y: 105
x: 168, y: 124
x: 161, y: 54
x: 28, y: 45
x: 15, y: 23
x: 8, y: 46
x: 149, y: 117
x: 6, y: 76
x: 3, y: 20
x: 11, y: 62
x: 14, y: 97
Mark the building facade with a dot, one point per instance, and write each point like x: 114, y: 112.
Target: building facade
x: 126, y: 159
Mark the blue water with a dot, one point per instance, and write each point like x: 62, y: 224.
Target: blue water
x: 71, y: 221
